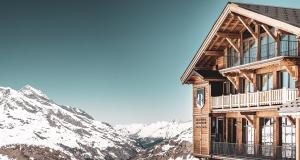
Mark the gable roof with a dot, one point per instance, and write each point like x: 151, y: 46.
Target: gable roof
x: 286, y: 19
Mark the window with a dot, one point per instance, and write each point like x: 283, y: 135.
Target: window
x: 267, y: 136
x: 286, y: 80
x: 249, y: 51
x: 248, y: 136
x: 267, y: 47
x: 288, y: 45
x: 200, y: 97
x: 288, y: 138
x: 233, y: 58
x: 247, y: 86
x: 266, y: 82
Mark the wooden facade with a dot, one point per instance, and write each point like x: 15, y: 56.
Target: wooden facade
x: 246, y: 68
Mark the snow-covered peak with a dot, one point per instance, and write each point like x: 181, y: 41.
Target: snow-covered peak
x: 28, y: 90
x: 160, y: 129
x: 28, y: 117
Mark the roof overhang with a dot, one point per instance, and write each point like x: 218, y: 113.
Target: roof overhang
x: 235, y: 8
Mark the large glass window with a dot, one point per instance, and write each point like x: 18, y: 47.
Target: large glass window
x: 288, y: 138
x: 288, y: 45
x: 249, y: 51
x: 267, y: 48
x: 266, y: 82
x: 267, y: 136
x: 233, y: 57
x: 286, y: 80
x: 248, y: 136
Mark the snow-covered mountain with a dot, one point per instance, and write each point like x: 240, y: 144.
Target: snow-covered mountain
x: 161, y: 140
x: 29, y: 119
x: 32, y: 126
x: 163, y: 129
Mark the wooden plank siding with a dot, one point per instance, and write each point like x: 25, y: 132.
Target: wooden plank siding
x: 201, y: 135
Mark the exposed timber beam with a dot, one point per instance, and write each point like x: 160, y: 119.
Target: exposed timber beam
x: 214, y: 42
x: 232, y: 35
x: 247, y: 27
x: 249, y: 78
x: 229, y: 22
x: 205, y: 60
x: 266, y: 28
x: 249, y: 119
x: 292, y: 120
x: 237, y: 49
x: 203, y: 68
x: 291, y: 69
x: 248, y: 113
x: 233, y: 81
x: 214, y: 53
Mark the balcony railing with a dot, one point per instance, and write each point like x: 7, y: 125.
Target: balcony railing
x: 267, y: 51
x: 254, y: 99
x: 254, y: 150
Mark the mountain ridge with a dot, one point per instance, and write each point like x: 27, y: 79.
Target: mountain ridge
x: 31, y: 124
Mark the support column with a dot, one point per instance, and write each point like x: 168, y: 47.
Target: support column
x: 226, y: 130
x: 257, y: 41
x: 298, y: 138
x: 277, y: 134
x: 239, y: 128
x: 257, y: 131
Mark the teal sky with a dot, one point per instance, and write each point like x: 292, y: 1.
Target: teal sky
x: 120, y: 61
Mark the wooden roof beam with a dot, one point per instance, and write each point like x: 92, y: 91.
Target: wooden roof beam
x: 292, y: 120
x: 205, y: 60
x: 237, y: 49
x: 233, y: 81
x: 214, y: 53
x: 232, y: 35
x: 266, y: 28
x: 247, y: 27
x: 214, y: 42
x: 249, y: 78
x: 291, y: 69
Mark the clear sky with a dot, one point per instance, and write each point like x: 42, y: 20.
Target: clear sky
x: 120, y: 61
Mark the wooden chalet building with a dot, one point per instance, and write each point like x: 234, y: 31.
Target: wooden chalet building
x: 246, y: 68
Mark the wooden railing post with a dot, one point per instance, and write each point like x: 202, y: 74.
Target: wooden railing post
x: 257, y: 98
x: 222, y: 101
x: 270, y: 97
x: 239, y: 100
x: 230, y: 96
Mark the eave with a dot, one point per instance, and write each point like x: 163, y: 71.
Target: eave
x: 236, y: 9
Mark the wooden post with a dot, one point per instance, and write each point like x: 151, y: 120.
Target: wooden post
x: 226, y: 129
x: 277, y: 133
x: 239, y: 128
x: 256, y: 132
x: 298, y: 138
x: 277, y: 43
x: 257, y: 41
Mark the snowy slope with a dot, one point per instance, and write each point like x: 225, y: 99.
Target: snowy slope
x: 162, y: 129
x: 29, y: 117
x: 178, y: 147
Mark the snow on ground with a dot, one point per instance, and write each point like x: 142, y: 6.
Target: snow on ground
x: 2, y: 157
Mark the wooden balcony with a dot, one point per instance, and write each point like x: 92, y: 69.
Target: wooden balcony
x: 255, y: 99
